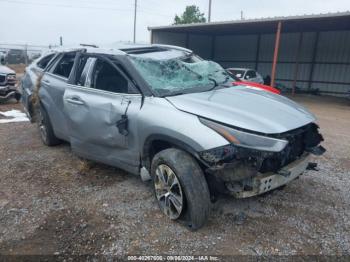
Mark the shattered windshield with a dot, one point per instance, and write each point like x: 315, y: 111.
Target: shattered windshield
x: 181, y: 75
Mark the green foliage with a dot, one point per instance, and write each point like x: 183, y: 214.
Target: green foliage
x: 191, y: 15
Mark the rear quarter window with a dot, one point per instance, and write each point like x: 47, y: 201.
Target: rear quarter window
x: 42, y: 63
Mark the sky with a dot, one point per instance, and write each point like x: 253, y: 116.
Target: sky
x: 42, y: 22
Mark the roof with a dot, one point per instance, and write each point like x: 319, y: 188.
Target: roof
x: 121, y: 49
x: 343, y: 19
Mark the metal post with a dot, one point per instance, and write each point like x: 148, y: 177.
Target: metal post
x: 135, y: 21
x: 152, y: 40
x: 275, y: 54
x: 296, y: 67
x: 209, y: 12
x: 314, y: 54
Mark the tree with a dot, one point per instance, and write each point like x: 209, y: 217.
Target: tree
x: 191, y: 15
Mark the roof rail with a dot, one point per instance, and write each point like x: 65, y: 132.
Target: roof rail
x: 173, y: 47
x: 89, y: 45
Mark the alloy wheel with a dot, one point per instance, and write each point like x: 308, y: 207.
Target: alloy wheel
x: 168, y: 192
x: 42, y: 127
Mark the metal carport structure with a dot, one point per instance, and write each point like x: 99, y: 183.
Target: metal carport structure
x: 313, y: 53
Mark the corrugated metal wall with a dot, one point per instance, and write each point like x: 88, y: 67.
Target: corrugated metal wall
x: 324, y: 57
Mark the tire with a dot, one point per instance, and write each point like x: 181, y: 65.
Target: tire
x: 46, y: 131
x: 18, y: 97
x: 190, y: 185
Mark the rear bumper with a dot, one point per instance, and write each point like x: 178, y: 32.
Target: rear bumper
x: 262, y: 183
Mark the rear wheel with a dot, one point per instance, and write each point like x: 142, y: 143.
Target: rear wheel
x: 180, y: 188
x: 46, y: 130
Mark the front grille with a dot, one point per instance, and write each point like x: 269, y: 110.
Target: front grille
x: 299, y: 140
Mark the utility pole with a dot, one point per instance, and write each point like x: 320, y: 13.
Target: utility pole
x: 209, y: 13
x: 61, y: 41
x: 26, y: 54
x: 135, y: 21
x: 242, y: 17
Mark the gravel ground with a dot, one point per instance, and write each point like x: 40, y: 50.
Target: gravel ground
x: 51, y: 202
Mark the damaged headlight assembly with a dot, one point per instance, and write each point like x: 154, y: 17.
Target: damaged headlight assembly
x: 246, y: 140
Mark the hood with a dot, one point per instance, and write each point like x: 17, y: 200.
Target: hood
x: 6, y: 70
x: 247, y: 108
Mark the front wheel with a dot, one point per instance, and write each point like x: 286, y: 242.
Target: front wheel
x: 180, y: 187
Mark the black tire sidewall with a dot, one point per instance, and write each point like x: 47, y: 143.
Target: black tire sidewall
x: 193, y: 185
x: 51, y: 139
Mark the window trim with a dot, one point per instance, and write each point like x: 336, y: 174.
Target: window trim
x: 99, y: 91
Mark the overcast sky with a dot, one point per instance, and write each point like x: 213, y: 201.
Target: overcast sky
x: 106, y: 21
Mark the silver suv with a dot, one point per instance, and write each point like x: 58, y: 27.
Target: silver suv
x: 165, y: 114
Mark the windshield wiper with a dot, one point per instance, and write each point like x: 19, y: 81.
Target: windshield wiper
x: 225, y: 81
x: 214, y: 86
x: 172, y: 94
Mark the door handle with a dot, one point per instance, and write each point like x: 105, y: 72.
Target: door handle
x: 75, y: 100
x: 47, y: 82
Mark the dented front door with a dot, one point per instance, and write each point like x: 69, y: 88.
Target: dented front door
x: 92, y: 117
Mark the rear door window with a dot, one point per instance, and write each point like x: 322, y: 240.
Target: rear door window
x: 64, y: 66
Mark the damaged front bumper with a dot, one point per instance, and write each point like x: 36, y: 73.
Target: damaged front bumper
x: 245, y: 172
x: 264, y: 182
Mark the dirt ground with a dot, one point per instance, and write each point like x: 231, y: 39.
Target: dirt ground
x: 51, y: 204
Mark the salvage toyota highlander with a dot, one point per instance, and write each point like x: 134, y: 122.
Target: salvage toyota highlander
x: 165, y: 114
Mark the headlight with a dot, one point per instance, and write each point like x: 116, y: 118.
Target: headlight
x: 11, y: 77
x: 247, y: 140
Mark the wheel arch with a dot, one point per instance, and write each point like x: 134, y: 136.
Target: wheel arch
x: 158, y: 142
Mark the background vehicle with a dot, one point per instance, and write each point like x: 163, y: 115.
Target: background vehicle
x: 246, y: 74
x: 8, y: 88
x: 165, y: 114
x: 16, y: 56
x: 253, y: 84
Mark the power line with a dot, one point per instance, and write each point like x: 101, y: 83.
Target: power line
x: 62, y: 5
x: 80, y: 7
